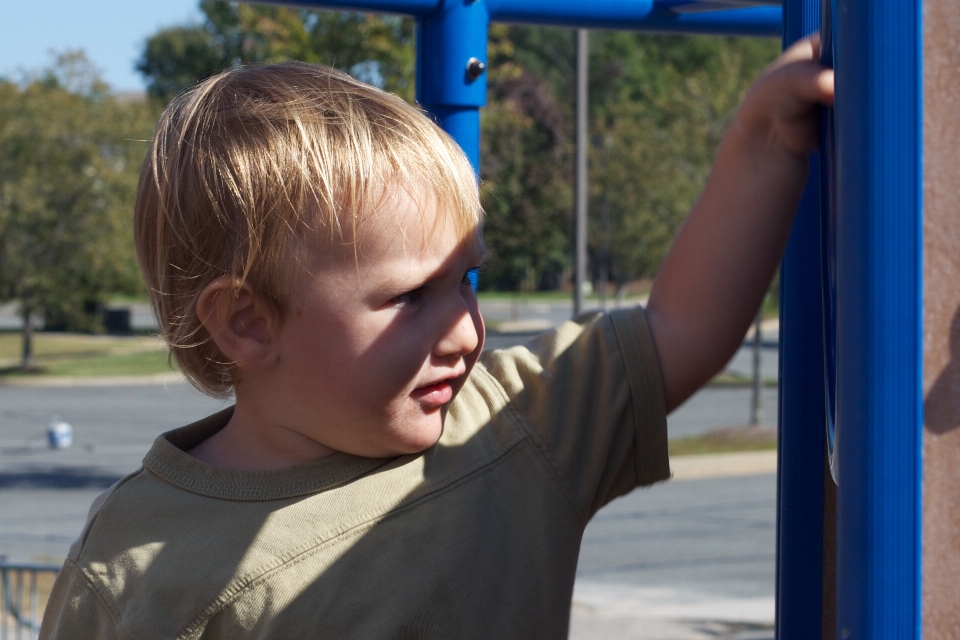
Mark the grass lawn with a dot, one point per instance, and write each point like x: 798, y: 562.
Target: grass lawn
x: 771, y: 304
x: 553, y: 296
x: 725, y: 441
x: 727, y: 379
x: 65, y: 354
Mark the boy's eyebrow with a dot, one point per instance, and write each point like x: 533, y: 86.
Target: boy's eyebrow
x: 477, y: 254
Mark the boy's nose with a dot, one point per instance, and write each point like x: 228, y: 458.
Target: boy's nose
x: 462, y: 332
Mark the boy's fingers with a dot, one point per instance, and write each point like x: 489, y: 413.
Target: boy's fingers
x: 806, y: 50
x: 810, y: 82
x: 798, y: 71
x: 825, y: 87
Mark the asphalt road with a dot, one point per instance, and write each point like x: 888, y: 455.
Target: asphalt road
x: 683, y: 560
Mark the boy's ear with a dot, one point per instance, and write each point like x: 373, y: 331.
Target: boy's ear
x: 239, y: 322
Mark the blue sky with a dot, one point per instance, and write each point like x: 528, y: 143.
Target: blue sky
x: 111, y: 32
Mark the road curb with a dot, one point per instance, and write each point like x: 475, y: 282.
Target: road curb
x: 173, y: 377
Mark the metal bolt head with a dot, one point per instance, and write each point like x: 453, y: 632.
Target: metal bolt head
x: 475, y: 68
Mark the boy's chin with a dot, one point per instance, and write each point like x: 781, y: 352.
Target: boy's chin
x: 422, y: 436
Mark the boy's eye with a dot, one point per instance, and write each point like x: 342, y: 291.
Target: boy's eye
x: 472, y: 277
x: 410, y: 297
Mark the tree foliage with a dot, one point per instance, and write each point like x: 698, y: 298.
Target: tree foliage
x: 526, y: 191
x: 374, y: 48
x: 69, y: 160
x: 659, y: 106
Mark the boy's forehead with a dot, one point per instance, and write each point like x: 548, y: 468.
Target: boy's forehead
x: 403, y: 231
x: 420, y: 237
x: 418, y: 218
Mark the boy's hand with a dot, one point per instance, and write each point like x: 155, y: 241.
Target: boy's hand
x: 715, y: 276
x: 781, y: 105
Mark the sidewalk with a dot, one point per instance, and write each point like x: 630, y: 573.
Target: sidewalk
x: 723, y: 465
x: 626, y: 612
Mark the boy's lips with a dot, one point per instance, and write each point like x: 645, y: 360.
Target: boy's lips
x: 435, y: 393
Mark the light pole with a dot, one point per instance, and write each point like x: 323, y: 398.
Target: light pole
x: 580, y: 234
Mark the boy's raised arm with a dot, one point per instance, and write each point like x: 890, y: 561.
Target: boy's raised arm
x: 717, y: 272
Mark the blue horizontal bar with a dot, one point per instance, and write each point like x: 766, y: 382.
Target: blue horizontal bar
x: 635, y: 15
x: 408, y: 7
x: 597, y: 13
x: 638, y: 15
x: 695, y: 6
x: 756, y: 22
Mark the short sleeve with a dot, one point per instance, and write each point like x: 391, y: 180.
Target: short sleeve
x: 590, y: 394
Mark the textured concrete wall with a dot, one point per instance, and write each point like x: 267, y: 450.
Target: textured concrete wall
x: 941, y: 318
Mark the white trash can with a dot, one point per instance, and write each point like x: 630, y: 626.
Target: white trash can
x: 59, y: 434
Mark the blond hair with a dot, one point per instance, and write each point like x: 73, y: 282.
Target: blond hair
x: 250, y: 163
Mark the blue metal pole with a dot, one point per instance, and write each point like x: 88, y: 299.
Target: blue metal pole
x: 800, y: 442
x: 451, y: 70
x: 879, y: 340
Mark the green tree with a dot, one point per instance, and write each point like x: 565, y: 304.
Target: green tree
x: 524, y: 170
x: 69, y: 160
x: 659, y: 107
x: 375, y: 48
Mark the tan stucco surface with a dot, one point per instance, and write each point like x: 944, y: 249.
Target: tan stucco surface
x: 941, y: 318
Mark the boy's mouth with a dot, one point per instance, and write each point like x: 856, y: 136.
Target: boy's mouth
x: 436, y: 393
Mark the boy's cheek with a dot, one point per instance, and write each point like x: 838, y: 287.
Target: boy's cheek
x: 481, y: 327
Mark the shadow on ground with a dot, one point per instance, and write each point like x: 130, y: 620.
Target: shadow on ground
x: 56, y: 477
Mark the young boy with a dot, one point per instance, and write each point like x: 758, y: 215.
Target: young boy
x: 308, y: 242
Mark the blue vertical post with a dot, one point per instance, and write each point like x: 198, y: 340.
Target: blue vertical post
x: 800, y: 466
x: 879, y: 340
x: 451, y: 74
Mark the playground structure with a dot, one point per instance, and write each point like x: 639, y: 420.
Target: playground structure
x: 870, y: 340
x: 868, y: 302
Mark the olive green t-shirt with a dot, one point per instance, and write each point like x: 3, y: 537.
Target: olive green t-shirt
x: 477, y: 537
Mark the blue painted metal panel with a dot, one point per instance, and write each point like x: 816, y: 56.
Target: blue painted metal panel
x: 879, y: 407
x: 800, y: 442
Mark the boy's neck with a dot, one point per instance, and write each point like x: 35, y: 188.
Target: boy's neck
x: 249, y: 442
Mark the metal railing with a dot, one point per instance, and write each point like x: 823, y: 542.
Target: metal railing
x: 20, y: 607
